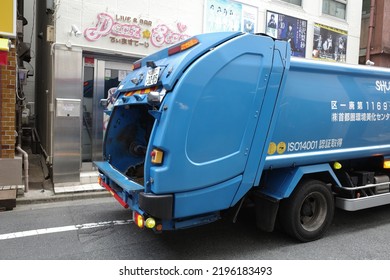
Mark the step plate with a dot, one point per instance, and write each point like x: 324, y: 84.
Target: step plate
x: 362, y: 202
x: 116, y: 176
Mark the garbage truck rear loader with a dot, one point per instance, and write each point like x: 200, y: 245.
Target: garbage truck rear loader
x: 223, y: 118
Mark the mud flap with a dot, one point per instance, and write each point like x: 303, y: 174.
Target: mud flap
x: 158, y: 206
x: 266, y: 211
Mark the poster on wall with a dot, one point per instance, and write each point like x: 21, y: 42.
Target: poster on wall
x: 226, y: 15
x: 288, y: 28
x: 329, y: 43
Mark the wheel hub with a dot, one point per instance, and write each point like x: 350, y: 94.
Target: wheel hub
x: 313, y: 211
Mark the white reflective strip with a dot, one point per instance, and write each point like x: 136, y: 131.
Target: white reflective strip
x: 327, y: 152
x: 62, y: 229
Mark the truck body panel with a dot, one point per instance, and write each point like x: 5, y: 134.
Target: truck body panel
x: 281, y: 182
x: 196, y: 136
x: 187, y: 133
x: 344, y: 107
x: 222, y: 118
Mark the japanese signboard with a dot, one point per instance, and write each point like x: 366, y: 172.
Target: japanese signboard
x: 135, y: 32
x: 290, y: 29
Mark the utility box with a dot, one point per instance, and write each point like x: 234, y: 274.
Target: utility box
x: 384, y: 186
x: 10, y: 177
x: 7, y: 197
x: 11, y: 171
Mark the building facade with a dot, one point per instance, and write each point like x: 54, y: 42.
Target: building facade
x: 84, y: 48
x: 7, y: 101
x: 375, y: 39
x: 10, y: 158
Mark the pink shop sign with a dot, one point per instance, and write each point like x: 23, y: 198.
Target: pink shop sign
x: 134, y: 32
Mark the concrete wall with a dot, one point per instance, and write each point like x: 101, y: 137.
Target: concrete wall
x: 10, y: 165
x: 184, y: 18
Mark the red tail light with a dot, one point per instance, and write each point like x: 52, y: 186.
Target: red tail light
x: 136, y: 65
x: 183, y: 46
x: 138, y: 219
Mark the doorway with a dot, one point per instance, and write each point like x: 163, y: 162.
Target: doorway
x: 100, y: 75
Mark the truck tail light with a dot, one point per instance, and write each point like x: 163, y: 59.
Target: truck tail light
x: 157, y: 156
x: 386, y: 164
x: 159, y: 228
x: 138, y: 219
x: 150, y: 222
x: 136, y: 65
x: 183, y: 46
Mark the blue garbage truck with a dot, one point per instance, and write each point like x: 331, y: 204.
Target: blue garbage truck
x: 224, y: 120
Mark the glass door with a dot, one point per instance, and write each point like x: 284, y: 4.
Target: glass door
x: 86, y: 115
x: 99, y: 77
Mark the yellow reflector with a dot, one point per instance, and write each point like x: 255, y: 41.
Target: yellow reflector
x: 183, y: 46
x: 386, y: 164
x: 188, y: 44
x: 337, y: 165
x: 157, y: 156
x: 139, y: 220
x: 150, y: 223
x: 136, y: 65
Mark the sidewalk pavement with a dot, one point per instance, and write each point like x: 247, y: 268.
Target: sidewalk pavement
x: 47, y: 194
x: 42, y: 190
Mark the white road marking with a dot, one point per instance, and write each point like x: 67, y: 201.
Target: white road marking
x: 62, y: 229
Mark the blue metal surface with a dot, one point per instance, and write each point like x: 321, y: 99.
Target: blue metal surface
x: 126, y: 130
x: 236, y: 105
x: 116, y: 176
x: 281, y: 182
x: 264, y: 129
x: 199, y: 202
x: 206, y: 123
x: 207, y: 128
x: 329, y: 112
x: 175, y: 64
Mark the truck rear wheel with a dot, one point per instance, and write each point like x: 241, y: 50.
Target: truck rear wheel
x: 308, y: 212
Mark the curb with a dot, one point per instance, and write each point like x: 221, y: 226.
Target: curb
x: 61, y: 197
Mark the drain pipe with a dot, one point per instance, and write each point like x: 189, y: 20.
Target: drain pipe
x: 25, y: 159
x: 370, y: 30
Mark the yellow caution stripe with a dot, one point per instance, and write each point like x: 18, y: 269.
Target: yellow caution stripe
x: 140, y: 91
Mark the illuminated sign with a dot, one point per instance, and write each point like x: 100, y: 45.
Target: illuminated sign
x: 8, y: 18
x: 137, y: 32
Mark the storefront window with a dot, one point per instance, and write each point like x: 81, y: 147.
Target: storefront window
x: 334, y: 8
x: 295, y: 2
x: 366, y: 7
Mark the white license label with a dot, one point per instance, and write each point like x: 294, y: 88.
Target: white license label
x: 152, y: 76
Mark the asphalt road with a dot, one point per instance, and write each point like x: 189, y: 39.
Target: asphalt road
x: 362, y: 235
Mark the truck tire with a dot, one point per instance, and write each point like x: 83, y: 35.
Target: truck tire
x: 308, y: 212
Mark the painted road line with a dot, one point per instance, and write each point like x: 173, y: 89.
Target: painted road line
x: 62, y: 229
